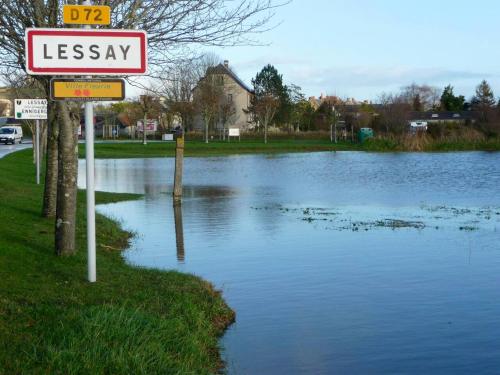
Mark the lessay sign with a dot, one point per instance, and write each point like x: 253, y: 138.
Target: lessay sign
x: 86, y: 52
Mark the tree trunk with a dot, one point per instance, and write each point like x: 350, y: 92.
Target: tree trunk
x: 66, y: 183
x: 206, y: 131
x: 265, y: 133
x: 50, y: 189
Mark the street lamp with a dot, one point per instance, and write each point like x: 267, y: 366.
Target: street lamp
x: 333, y: 126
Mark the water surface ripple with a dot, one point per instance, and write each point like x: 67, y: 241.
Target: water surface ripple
x: 336, y: 263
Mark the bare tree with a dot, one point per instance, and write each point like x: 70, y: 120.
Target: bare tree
x: 178, y: 88
x: 23, y: 87
x: 393, y: 113
x: 227, y: 111
x: 180, y: 81
x: 427, y: 96
x: 173, y: 27
x: 3, y: 108
x: 208, y: 95
x: 264, y: 110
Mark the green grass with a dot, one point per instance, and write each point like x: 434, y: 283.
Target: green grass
x: 215, y: 148
x: 132, y: 321
x: 218, y: 148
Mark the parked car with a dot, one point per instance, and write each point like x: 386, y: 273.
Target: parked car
x: 11, y: 134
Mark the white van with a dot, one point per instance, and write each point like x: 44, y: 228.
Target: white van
x: 11, y: 134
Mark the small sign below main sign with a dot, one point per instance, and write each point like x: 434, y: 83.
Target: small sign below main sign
x: 30, y: 109
x: 86, y: 15
x: 87, y: 89
x: 86, y: 52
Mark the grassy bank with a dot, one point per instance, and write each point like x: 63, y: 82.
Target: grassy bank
x: 427, y: 144
x: 218, y: 148
x: 215, y: 148
x: 133, y: 321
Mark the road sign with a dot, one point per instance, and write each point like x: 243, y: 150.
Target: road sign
x: 86, y: 52
x: 30, y: 109
x: 151, y: 125
x: 87, y: 89
x: 86, y: 15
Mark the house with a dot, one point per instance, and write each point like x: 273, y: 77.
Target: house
x: 443, y: 117
x: 236, y: 92
x: 6, y: 104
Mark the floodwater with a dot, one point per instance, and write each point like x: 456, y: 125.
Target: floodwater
x: 335, y: 263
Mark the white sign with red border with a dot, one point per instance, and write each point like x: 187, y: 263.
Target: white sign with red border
x: 86, y: 52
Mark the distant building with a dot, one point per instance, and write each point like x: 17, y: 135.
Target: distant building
x: 334, y: 101
x: 236, y: 91
x: 433, y: 117
x: 6, y: 104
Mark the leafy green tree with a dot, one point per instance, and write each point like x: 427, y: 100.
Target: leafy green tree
x: 269, y: 95
x: 450, y: 102
x: 293, y: 106
x: 484, y: 102
x: 484, y: 97
x: 303, y: 115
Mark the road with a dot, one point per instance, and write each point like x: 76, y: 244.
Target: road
x: 8, y: 149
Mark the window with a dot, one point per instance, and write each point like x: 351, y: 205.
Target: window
x: 230, y: 98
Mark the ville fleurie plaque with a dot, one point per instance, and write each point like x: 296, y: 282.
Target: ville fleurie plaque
x: 87, y: 89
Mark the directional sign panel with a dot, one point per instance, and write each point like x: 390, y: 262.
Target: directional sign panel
x: 86, y: 15
x: 86, y: 52
x: 30, y: 109
x: 87, y: 89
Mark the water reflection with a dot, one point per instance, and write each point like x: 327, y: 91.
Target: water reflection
x: 179, y: 232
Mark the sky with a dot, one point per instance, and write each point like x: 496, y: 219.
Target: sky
x: 362, y: 48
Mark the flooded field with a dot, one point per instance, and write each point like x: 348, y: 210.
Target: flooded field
x: 336, y: 263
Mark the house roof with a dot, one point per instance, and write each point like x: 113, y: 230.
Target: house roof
x: 222, y: 69
x: 443, y: 116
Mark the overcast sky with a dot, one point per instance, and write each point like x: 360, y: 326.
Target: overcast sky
x: 360, y: 48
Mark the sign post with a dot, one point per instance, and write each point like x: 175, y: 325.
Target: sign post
x: 87, y: 52
x: 37, y: 148
x: 90, y: 190
x: 33, y: 109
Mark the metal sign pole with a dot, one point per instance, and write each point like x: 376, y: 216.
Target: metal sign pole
x: 89, y: 155
x: 37, y: 150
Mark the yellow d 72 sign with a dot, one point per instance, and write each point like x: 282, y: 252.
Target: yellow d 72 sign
x: 87, y: 15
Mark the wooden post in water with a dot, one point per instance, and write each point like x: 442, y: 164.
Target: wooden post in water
x: 179, y: 162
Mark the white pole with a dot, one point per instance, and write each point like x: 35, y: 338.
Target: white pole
x: 89, y: 154
x: 37, y: 150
